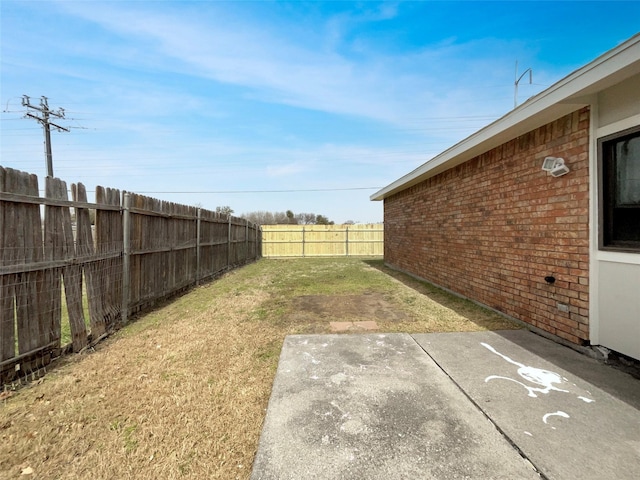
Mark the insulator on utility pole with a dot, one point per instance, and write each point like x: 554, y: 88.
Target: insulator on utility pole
x: 45, y: 121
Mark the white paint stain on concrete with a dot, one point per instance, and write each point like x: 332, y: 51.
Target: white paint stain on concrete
x: 555, y: 414
x: 313, y: 360
x: 545, y: 379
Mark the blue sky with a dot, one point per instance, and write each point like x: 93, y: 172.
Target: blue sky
x: 303, y: 106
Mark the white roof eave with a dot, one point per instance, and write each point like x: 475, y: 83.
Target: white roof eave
x: 556, y: 101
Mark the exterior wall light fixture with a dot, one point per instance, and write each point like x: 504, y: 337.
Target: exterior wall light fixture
x: 555, y: 166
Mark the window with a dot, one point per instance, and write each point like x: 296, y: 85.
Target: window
x: 619, y: 166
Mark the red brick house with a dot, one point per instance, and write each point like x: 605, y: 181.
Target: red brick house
x: 556, y: 248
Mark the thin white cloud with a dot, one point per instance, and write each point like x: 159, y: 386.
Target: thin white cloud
x: 286, y: 169
x: 276, y: 69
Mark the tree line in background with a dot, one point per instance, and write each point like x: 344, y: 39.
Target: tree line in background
x: 262, y: 217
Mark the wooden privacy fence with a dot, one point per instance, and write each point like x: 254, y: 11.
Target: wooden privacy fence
x: 322, y: 240
x: 140, y: 250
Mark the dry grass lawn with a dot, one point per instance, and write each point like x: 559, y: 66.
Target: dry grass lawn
x: 182, y: 391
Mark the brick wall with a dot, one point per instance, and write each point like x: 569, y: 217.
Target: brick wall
x: 492, y: 228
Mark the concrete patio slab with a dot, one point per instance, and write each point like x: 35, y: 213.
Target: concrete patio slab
x: 375, y: 406
x: 481, y: 405
x: 570, y: 415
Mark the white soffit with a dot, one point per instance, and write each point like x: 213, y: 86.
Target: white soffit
x: 562, y: 98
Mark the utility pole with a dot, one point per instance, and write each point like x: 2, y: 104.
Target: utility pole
x: 46, y: 123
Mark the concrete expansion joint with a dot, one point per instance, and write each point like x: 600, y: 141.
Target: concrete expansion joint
x: 484, y: 413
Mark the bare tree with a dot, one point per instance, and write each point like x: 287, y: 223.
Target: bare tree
x: 262, y: 217
x: 306, y: 218
x: 225, y: 210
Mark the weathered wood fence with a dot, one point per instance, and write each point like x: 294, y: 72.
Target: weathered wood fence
x: 361, y: 240
x: 140, y: 251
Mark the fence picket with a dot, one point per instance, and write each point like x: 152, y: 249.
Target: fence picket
x: 7, y: 282
x: 108, y: 226
x: 30, y: 289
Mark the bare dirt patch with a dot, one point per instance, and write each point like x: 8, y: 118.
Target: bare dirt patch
x: 351, y: 308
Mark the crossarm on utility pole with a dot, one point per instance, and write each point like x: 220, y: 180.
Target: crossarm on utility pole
x: 46, y: 126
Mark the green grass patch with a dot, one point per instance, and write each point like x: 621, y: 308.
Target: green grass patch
x: 194, y: 376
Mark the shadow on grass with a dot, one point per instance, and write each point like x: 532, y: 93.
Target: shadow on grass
x: 483, y: 317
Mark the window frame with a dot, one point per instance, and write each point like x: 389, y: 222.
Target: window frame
x: 606, y: 194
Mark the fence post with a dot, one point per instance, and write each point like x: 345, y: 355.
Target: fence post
x: 346, y: 246
x: 198, y: 220
x: 229, y: 244
x: 303, y: 242
x: 126, y: 259
x: 246, y: 241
